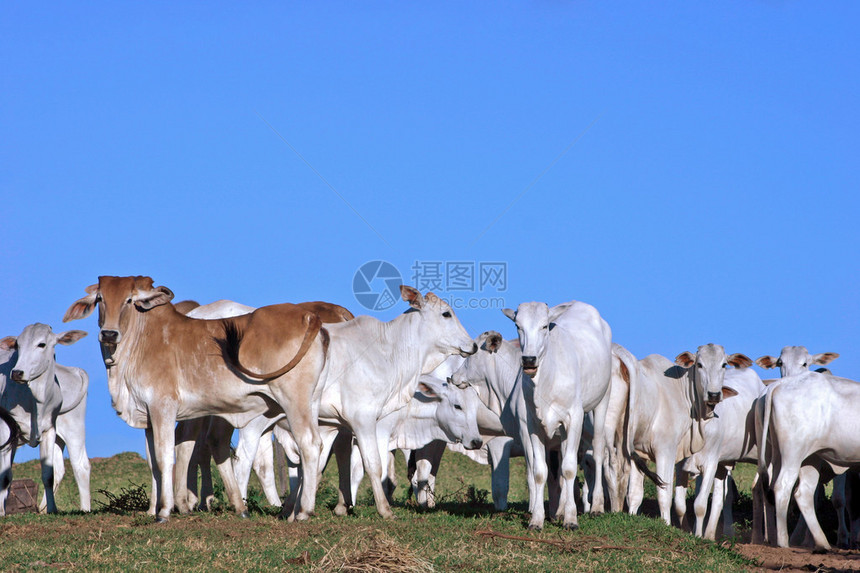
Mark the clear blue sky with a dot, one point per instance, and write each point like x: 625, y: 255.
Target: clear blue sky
x: 711, y: 194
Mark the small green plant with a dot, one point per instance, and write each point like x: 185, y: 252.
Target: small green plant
x: 129, y: 500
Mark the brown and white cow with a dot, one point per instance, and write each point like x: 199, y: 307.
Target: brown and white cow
x: 163, y: 366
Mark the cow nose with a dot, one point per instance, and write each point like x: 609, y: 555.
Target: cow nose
x: 529, y: 361
x: 109, y: 336
x: 475, y: 444
x: 17, y: 375
x: 714, y: 396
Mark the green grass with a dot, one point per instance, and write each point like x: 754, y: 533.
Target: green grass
x: 447, y: 538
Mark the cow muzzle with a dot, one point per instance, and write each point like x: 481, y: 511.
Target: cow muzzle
x: 471, y: 351
x: 530, y: 365
x: 109, y: 336
x: 474, y: 444
x: 714, y: 397
x: 18, y: 376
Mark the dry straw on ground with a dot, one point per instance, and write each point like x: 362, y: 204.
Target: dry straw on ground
x: 374, y: 552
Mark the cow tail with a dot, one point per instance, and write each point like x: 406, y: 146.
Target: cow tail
x: 762, y: 445
x: 14, y: 431
x: 629, y: 366
x: 233, y: 339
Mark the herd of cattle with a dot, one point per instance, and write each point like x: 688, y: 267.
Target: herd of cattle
x: 322, y: 381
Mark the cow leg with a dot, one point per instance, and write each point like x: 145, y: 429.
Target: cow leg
x: 782, y: 487
x: 424, y: 463
x: 635, y: 489
x: 264, y: 467
x: 46, y: 453
x: 219, y: 444
x: 246, y: 451
x: 349, y: 476
x: 80, y: 461
x: 601, y: 443
x: 709, y: 470
x: 538, y: 475
x: 59, y: 466
x: 7, y: 455
x: 680, y: 497
x: 162, y: 420
x: 569, y: 467
x: 666, y: 472
x: 500, y: 462
x: 150, y: 458
x: 758, y: 527
x: 188, y: 434
x: 805, y: 497
x: 717, y: 501
x: 838, y: 501
x: 302, y: 422
x: 365, y: 435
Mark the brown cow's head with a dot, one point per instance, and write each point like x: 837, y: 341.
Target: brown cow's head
x: 118, y: 299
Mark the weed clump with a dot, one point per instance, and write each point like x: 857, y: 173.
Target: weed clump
x: 129, y: 500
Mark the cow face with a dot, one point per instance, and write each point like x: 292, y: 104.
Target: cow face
x: 439, y: 322
x: 456, y: 413
x: 119, y: 299
x: 35, y: 348
x: 534, y: 321
x: 474, y: 369
x: 795, y: 360
x: 708, y: 371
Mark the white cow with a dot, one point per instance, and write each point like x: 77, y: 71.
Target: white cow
x: 730, y: 437
x: 438, y: 412
x: 811, y: 420
x: 48, y: 401
x: 566, y: 366
x: 373, y: 369
x: 669, y: 406
x: 795, y: 360
x: 8, y: 438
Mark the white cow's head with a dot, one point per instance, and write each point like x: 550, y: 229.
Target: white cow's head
x: 534, y: 320
x: 457, y: 412
x: 476, y: 368
x: 439, y: 323
x: 119, y: 300
x: 35, y: 348
x: 707, y: 369
x: 795, y: 360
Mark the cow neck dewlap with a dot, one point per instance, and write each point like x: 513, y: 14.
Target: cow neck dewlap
x: 122, y: 375
x: 698, y: 414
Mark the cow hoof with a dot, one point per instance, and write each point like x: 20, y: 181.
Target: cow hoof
x: 160, y: 519
x: 245, y: 514
x: 596, y: 512
x: 535, y: 527
x: 820, y: 550
x: 341, y: 510
x: 570, y: 526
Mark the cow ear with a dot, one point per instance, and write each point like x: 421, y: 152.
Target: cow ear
x: 766, y: 362
x: 685, y: 359
x: 84, y: 306
x: 148, y: 300
x: 512, y: 314
x: 431, y: 388
x: 729, y: 392
x: 8, y: 343
x: 824, y: 358
x: 739, y: 360
x: 493, y: 341
x: 412, y: 296
x: 558, y: 310
x: 70, y: 336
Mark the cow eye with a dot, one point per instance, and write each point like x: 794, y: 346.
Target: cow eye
x: 779, y: 362
x: 41, y: 345
x: 98, y: 298
x: 128, y: 301
x: 724, y: 365
x: 699, y: 364
x: 545, y: 326
x: 458, y: 407
x: 804, y: 364
x: 446, y: 314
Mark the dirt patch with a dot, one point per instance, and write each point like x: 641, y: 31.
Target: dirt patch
x: 799, y: 559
